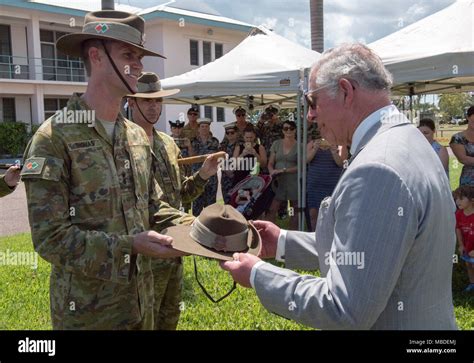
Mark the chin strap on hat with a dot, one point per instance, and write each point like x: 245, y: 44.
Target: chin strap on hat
x: 234, y: 286
x: 145, y: 118
x: 116, y: 70
x: 126, y: 83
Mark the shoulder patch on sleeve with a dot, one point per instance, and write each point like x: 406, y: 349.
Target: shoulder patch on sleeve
x: 33, y: 166
x: 49, y: 168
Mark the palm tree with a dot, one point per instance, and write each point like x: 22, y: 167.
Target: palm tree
x: 108, y: 5
x: 317, y: 25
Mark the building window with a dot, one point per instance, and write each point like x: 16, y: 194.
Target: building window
x: 194, y: 52
x: 56, y: 65
x: 5, y: 52
x: 51, y: 105
x: 206, y: 52
x: 8, y: 108
x: 220, y: 114
x: 219, y: 48
x: 208, y: 112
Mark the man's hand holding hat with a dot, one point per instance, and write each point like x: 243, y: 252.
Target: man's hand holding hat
x: 241, y: 267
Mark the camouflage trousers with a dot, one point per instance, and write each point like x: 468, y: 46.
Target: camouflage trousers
x: 168, y: 284
x: 208, y: 197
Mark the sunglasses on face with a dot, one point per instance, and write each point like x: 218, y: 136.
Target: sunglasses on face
x: 193, y: 114
x: 240, y: 114
x: 289, y: 129
x: 311, y: 102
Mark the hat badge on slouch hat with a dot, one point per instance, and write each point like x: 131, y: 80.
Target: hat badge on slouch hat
x: 179, y: 124
x: 218, y: 232
x: 107, y: 25
x: 149, y: 86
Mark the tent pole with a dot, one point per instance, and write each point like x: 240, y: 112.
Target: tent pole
x: 305, y: 213
x: 300, y: 158
x: 412, y: 92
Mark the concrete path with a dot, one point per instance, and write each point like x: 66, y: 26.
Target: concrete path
x: 14, y: 213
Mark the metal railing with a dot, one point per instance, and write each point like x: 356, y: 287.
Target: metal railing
x: 46, y: 69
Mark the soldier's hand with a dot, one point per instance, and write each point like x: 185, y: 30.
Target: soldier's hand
x: 12, y: 176
x: 209, y: 167
x: 153, y: 244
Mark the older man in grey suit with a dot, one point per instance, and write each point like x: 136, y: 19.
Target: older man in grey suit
x: 385, y: 240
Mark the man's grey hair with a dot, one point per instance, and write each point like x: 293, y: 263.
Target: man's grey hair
x: 355, y: 62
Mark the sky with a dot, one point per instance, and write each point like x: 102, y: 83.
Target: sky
x: 344, y: 20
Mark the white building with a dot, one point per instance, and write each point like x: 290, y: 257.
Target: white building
x: 35, y: 80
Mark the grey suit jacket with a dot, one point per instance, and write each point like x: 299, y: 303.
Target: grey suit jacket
x: 384, y: 243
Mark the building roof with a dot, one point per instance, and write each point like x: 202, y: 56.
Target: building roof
x: 200, y: 18
x: 81, y: 7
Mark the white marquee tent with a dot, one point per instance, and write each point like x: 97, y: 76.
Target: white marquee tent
x: 264, y: 65
x: 433, y: 55
x: 264, y: 68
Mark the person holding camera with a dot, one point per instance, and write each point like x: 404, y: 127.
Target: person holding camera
x: 228, y: 144
x: 251, y: 150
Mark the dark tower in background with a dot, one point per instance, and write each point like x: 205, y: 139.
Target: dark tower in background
x: 317, y: 25
x: 108, y: 5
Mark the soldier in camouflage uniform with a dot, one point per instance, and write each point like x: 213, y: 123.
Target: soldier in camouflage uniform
x: 168, y: 273
x: 190, y: 130
x: 94, y: 205
x: 204, y: 144
x: 10, y: 180
x: 184, y: 145
x: 269, y: 128
x: 241, y: 124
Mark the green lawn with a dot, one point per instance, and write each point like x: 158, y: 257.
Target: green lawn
x: 24, y: 298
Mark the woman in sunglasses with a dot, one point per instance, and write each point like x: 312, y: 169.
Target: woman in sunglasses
x: 283, y: 167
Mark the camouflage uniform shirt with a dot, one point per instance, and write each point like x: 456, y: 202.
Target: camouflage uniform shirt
x: 268, y: 133
x: 88, y: 195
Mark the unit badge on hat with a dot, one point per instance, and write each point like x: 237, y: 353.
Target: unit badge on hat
x: 101, y: 28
